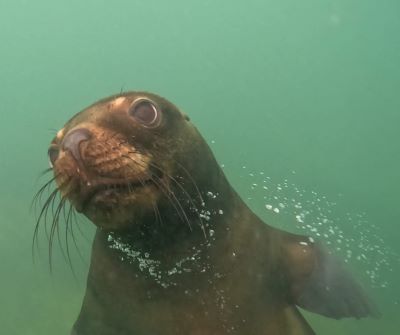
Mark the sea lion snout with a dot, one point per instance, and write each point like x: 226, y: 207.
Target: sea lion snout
x: 102, y: 173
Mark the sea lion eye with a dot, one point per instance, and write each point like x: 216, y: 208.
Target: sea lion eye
x: 145, y: 112
x: 53, y: 155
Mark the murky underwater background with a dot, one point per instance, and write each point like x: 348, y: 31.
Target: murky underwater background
x: 298, y: 99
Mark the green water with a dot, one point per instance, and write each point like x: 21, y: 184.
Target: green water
x: 305, y: 91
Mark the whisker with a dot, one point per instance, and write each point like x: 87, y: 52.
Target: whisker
x: 155, y: 208
x: 44, y: 172
x: 42, y: 215
x: 113, y: 135
x: 179, y: 185
x: 38, y: 196
x: 67, y: 224
x: 186, y: 194
x: 191, y: 179
x: 54, y: 210
x: 73, y: 220
x: 55, y: 229
x: 169, y: 194
x: 172, y: 178
x: 79, y: 228
x: 176, y: 200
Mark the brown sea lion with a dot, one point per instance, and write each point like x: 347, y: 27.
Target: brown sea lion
x: 177, y: 251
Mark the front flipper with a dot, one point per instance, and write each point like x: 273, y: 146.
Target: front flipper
x: 320, y: 283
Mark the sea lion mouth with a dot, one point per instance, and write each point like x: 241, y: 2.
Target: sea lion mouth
x: 103, y: 189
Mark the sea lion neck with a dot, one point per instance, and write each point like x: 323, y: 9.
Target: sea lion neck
x: 167, y: 228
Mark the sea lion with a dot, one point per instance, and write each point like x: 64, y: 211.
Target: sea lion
x: 177, y: 251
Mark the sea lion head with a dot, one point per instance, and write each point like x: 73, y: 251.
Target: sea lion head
x: 126, y: 156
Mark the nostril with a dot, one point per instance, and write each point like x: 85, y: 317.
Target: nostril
x: 72, y: 141
x: 53, y: 155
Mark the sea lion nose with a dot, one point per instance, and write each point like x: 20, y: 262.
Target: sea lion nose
x: 73, y: 140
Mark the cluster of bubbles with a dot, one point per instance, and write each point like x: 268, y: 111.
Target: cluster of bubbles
x: 349, y: 235
x: 153, y: 267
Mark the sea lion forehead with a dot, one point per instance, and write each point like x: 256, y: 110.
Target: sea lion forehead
x: 120, y: 103
x: 98, y: 110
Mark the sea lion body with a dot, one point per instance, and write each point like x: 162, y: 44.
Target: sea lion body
x: 236, y: 292
x: 177, y: 251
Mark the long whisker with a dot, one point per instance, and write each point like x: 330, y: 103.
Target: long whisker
x: 173, y: 179
x: 42, y: 215
x: 191, y: 179
x: 157, y: 213
x: 180, y: 187
x: 52, y: 130
x: 79, y: 228
x: 177, y: 183
x: 154, y: 204
x: 57, y: 210
x: 67, y: 225
x: 44, y: 172
x: 168, y: 193
x: 171, y: 193
x: 57, y: 226
x: 54, y: 229
x: 38, y: 196
x: 70, y: 228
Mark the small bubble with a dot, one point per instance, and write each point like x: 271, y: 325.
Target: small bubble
x: 299, y: 219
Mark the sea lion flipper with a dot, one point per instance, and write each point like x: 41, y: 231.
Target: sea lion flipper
x: 321, y: 284
x: 297, y: 325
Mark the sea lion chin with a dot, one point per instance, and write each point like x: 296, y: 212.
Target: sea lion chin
x: 177, y: 251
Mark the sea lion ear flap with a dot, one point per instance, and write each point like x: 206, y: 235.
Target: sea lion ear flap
x: 331, y: 291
